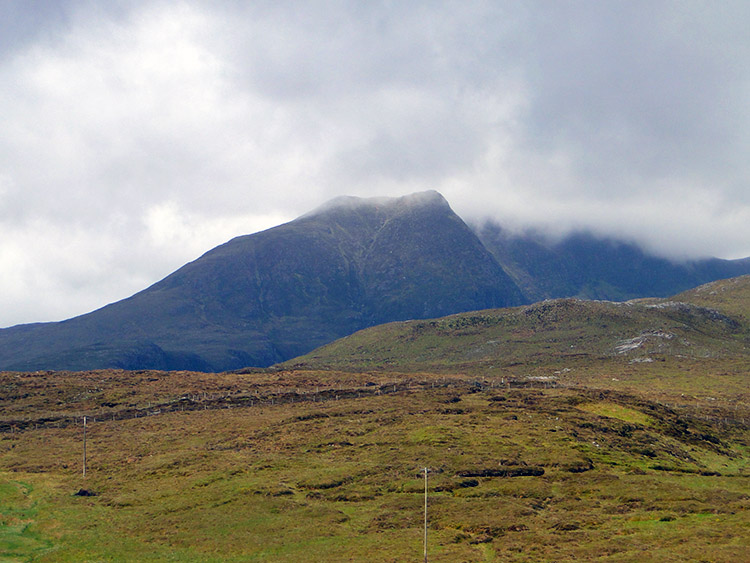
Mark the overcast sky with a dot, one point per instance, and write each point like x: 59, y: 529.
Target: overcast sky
x: 136, y: 135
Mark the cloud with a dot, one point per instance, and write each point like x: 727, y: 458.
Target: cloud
x: 137, y: 135
x: 634, y: 123
x: 105, y: 123
x: 643, y: 94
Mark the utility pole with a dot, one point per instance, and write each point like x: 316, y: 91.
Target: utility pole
x: 84, y: 447
x: 425, y: 515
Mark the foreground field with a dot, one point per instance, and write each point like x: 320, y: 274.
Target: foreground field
x: 567, y: 430
x: 326, y: 466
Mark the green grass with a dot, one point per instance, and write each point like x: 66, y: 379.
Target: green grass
x: 20, y: 536
x: 339, y: 480
x: 613, y: 410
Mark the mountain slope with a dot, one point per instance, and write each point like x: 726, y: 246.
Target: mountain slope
x: 263, y: 298
x: 585, y: 266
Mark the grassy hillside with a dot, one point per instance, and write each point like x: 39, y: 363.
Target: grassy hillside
x: 731, y: 296
x: 551, y: 335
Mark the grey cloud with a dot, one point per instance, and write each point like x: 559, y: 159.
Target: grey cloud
x: 642, y: 91
x: 139, y: 134
x: 23, y: 23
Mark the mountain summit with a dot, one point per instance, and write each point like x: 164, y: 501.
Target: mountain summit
x: 273, y: 295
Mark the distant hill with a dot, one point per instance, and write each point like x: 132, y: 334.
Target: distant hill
x: 270, y: 296
x: 353, y: 263
x: 730, y: 296
x: 707, y: 322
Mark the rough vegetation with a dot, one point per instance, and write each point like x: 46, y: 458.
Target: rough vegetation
x: 517, y: 473
x: 632, y: 446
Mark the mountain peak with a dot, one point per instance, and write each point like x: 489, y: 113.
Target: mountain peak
x: 352, y: 203
x: 429, y: 197
x: 263, y: 298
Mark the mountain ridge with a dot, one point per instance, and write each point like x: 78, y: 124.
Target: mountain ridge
x: 351, y: 263
x: 592, y: 267
x: 262, y: 298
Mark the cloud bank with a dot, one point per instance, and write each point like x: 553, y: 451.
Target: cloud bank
x: 139, y: 135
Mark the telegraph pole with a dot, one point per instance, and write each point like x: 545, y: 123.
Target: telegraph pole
x: 84, y: 447
x: 425, y: 515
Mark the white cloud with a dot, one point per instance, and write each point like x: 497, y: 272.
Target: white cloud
x: 170, y: 230
x: 104, y: 124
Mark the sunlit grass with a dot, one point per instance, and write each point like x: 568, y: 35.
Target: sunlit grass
x: 612, y: 410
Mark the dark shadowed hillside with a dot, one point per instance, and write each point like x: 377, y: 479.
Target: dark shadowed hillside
x: 586, y: 266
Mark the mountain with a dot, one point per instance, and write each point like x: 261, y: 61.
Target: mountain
x: 583, y: 265
x: 353, y: 263
x: 263, y: 298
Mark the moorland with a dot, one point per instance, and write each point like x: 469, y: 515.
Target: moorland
x: 559, y: 431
